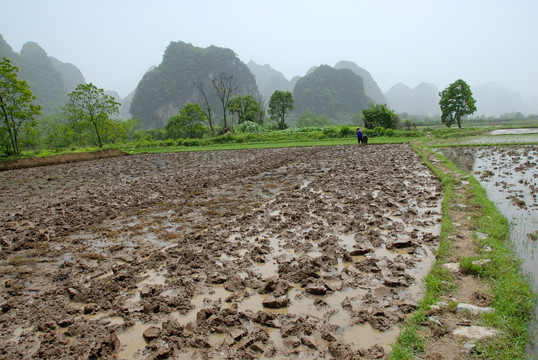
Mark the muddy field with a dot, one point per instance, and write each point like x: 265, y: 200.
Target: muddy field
x: 278, y: 253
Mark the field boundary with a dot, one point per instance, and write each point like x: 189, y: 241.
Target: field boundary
x: 59, y: 159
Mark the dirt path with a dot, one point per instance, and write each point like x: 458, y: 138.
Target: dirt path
x: 276, y: 253
x: 447, y: 318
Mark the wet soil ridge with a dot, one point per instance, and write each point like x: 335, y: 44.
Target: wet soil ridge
x: 275, y: 253
x: 452, y: 329
x: 58, y: 159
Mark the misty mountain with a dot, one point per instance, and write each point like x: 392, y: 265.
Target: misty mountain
x: 50, y: 80
x: 269, y: 80
x: 164, y: 90
x: 370, y: 86
x: 336, y: 93
x: 495, y: 99
x: 421, y: 100
x: 71, y: 75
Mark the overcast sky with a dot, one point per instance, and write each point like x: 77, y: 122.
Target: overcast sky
x: 114, y: 42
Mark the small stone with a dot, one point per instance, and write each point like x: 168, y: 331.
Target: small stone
x: 469, y: 346
x: 476, y: 332
x: 481, y: 262
x: 473, y: 309
x: 453, y: 267
x: 439, y: 305
x: 434, y: 319
x: 481, y: 236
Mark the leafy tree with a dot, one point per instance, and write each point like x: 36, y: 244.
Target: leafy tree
x: 16, y: 108
x: 280, y: 104
x: 379, y: 115
x: 309, y: 118
x: 456, y: 102
x: 89, y: 106
x: 247, y: 109
x: 188, y: 121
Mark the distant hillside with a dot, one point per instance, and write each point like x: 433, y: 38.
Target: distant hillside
x: 269, y: 80
x: 421, y: 100
x: 328, y: 91
x: 370, y: 86
x: 164, y: 90
x: 496, y: 99
x: 50, y: 80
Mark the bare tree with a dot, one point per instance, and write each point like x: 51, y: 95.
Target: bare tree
x: 224, y: 87
x: 207, y: 105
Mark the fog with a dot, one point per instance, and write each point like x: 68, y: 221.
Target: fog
x: 115, y: 42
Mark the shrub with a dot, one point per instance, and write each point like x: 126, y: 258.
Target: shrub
x: 388, y: 132
x: 330, y: 131
x: 345, y: 130
x: 378, y: 131
x: 248, y: 127
x: 191, y: 142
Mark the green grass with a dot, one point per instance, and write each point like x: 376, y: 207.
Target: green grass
x: 513, y: 297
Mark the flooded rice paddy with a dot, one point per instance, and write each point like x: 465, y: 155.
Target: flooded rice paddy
x: 276, y: 253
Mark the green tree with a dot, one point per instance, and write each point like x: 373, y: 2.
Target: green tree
x: 89, y: 106
x: 309, y: 118
x: 188, y: 121
x: 456, y: 102
x: 280, y: 104
x: 16, y: 108
x: 246, y: 109
x: 379, y: 115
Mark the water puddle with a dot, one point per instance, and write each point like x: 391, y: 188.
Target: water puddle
x: 132, y: 341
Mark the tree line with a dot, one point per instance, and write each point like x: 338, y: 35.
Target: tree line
x: 87, y: 115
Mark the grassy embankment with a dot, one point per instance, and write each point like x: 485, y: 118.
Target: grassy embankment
x: 511, y: 290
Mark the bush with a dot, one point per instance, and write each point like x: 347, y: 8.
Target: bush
x: 345, y: 130
x: 223, y: 139
x: 388, y: 132
x: 271, y: 126
x: 248, y: 127
x: 191, y: 142
x: 330, y: 131
x: 378, y: 131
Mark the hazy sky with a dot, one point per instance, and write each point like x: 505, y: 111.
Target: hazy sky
x: 114, y: 42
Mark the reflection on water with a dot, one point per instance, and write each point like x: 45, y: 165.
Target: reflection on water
x: 514, y: 131
x: 510, y: 177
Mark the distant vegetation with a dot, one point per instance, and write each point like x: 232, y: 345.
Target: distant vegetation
x: 331, y: 92
x: 164, y: 90
x: 206, y: 97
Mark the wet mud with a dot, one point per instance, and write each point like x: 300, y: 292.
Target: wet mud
x: 277, y: 253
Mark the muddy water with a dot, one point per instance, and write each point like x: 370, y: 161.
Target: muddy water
x: 509, y: 175
x: 504, y: 136
x: 283, y: 253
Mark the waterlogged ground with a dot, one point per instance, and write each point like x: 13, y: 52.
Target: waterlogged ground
x: 278, y: 253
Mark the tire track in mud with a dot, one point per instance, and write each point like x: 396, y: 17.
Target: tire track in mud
x: 313, y: 252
